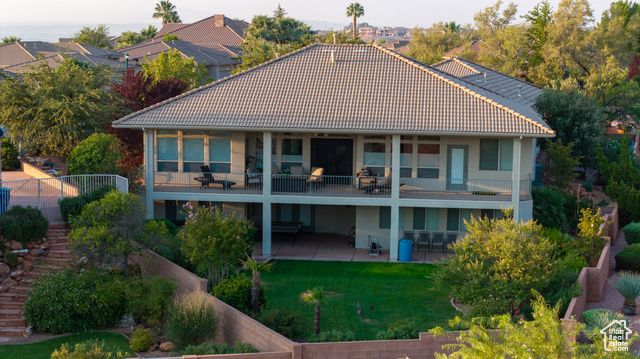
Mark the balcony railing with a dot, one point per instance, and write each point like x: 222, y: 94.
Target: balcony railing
x: 339, y: 186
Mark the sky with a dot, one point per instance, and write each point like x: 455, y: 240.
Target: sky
x: 322, y: 14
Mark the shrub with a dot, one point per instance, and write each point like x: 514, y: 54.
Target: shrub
x: 100, y: 153
x: 12, y: 259
x: 629, y: 259
x: 23, y: 224
x: 561, y: 288
x: 333, y: 336
x: 93, y: 349
x: 70, y: 302
x: 192, y: 320
x: 632, y: 233
x: 562, y: 162
x: 284, y: 321
x: 587, y: 185
x: 236, y: 292
x: 402, y: 329
x: 597, y: 319
x: 141, y: 340
x: 71, y: 207
x: 211, y: 348
x: 548, y: 208
x: 149, y: 298
x: 628, y: 285
x: 10, y: 156
x: 99, y: 193
x: 171, y: 227
x: 573, y: 261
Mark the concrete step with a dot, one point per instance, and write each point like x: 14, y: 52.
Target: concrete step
x: 59, y: 254
x: 13, y: 323
x: 59, y: 225
x: 19, y: 290
x: 60, y: 262
x: 13, y: 297
x: 10, y: 314
x: 11, y: 305
x: 64, y: 246
x: 46, y: 268
x: 52, y: 233
x: 11, y: 332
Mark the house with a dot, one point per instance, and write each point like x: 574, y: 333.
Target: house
x: 401, y: 46
x: 474, y: 47
x: 439, y: 143
x: 366, y: 31
x: 386, y: 31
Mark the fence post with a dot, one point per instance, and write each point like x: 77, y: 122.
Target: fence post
x: 39, y: 203
x: 61, y: 189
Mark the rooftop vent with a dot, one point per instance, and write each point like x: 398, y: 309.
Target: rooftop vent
x: 333, y: 57
x: 519, y: 89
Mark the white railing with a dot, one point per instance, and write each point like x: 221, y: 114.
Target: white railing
x: 46, y: 193
x: 456, y: 189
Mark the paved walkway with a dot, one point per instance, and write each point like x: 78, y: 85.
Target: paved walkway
x: 331, y: 247
x: 15, y: 175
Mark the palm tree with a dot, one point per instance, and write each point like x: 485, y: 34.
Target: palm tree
x: 256, y: 268
x: 166, y: 11
x: 10, y: 39
x: 451, y: 26
x: 149, y: 32
x: 315, y: 296
x: 356, y: 10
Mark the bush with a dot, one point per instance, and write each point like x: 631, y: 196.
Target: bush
x: 71, y: 207
x: 149, y: 299
x: 71, y: 302
x: 632, y: 233
x: 629, y: 259
x: 573, y: 261
x: 333, y: 336
x: 10, y: 156
x: 284, y: 321
x: 562, y: 287
x: 587, y: 185
x: 192, y: 320
x: 236, y: 292
x: 99, y: 193
x: 23, y: 224
x: 597, y: 319
x: 211, y: 348
x: 91, y: 349
x: 12, y: 259
x: 402, y: 329
x: 171, y: 227
x: 548, y: 208
x: 100, y: 153
x: 141, y: 340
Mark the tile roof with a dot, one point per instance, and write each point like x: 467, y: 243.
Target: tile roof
x: 211, y: 54
x: 206, y: 31
x: 367, y: 89
x: 54, y: 59
x: 491, y: 80
x: 20, y: 52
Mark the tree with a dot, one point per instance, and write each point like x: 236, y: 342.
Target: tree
x: 491, y: 20
x: 170, y: 37
x: 341, y: 37
x: 104, y: 232
x: 429, y: 45
x: 166, y: 11
x: 149, y: 32
x: 497, y: 264
x: 54, y: 109
x: 256, y: 268
x: 215, y: 243
x: 10, y: 156
x: 171, y: 64
x: 355, y: 10
x: 98, y: 154
x: 98, y: 36
x: 562, y: 163
x: 575, y: 118
x: 539, y: 19
x: 315, y: 297
x: 10, y: 39
x: 129, y: 38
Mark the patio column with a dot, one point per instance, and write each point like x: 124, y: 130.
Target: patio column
x: 266, y: 195
x: 148, y: 171
x: 515, y: 178
x: 395, y: 195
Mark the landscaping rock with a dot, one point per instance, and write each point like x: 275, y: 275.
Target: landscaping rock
x: 167, y: 347
x: 4, y: 269
x: 127, y: 320
x: 36, y: 252
x: 27, y: 265
x: 14, y: 245
x: 21, y: 252
x: 8, y: 283
x: 20, y: 260
x: 17, y: 275
x: 45, y: 245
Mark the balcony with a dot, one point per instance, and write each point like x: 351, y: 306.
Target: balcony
x: 339, y: 186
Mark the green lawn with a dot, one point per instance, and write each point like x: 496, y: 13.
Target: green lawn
x: 43, y: 350
x: 396, y: 291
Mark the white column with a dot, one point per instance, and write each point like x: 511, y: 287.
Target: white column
x: 515, y: 178
x: 266, y: 194
x: 149, y: 165
x: 395, y: 195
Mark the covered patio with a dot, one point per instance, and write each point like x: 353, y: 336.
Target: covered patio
x: 333, y: 247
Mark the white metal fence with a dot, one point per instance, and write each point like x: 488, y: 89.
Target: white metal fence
x: 46, y: 193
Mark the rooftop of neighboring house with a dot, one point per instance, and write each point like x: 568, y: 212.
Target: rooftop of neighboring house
x: 211, y: 54
x: 54, y: 59
x: 306, y: 90
x: 474, y: 46
x: 216, y: 29
x: 401, y: 46
x: 491, y: 80
x: 17, y: 53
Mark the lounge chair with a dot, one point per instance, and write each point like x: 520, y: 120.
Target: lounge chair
x: 379, y: 188
x: 207, y: 179
x: 254, y: 179
x: 316, y: 178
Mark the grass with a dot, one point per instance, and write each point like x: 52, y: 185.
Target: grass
x: 43, y: 350
x: 395, y: 290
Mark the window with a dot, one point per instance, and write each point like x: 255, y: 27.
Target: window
x: 492, y: 214
x: 431, y: 220
x: 496, y: 154
x: 168, y: 154
x: 193, y: 153
x: 428, y: 160
x: 291, y: 153
x: 419, y: 218
x: 453, y: 219
x: 220, y: 155
x: 374, y: 157
x: 465, y: 215
x: 385, y: 217
x: 406, y: 159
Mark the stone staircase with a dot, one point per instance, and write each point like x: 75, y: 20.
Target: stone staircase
x: 51, y: 255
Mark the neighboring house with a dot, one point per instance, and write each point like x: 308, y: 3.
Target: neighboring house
x: 366, y: 31
x: 401, y: 46
x: 215, y: 40
x: 387, y: 31
x: 444, y: 145
x: 476, y: 46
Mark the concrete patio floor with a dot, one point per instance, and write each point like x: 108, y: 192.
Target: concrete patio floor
x: 332, y: 247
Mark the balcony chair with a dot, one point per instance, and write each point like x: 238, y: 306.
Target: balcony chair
x: 438, y: 240
x: 296, y: 170
x: 316, y: 178
x: 207, y: 179
x: 254, y: 179
x: 451, y: 238
x: 377, y: 188
x: 423, y: 240
x: 409, y: 235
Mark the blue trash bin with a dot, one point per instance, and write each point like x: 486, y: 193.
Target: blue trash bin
x: 5, y: 196
x: 405, y: 250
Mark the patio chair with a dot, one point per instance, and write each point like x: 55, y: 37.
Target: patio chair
x: 316, y: 178
x: 438, y: 240
x: 423, y: 240
x: 409, y: 235
x: 274, y: 170
x: 254, y: 179
x: 379, y: 188
x: 374, y: 246
x: 207, y: 179
x: 296, y: 170
x: 451, y: 238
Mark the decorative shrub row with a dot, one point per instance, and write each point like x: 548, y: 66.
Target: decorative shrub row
x: 402, y: 329
x: 632, y: 233
x: 629, y: 258
x: 72, y: 206
x: 236, y: 292
x: 333, y: 336
x: 23, y: 224
x: 211, y: 348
